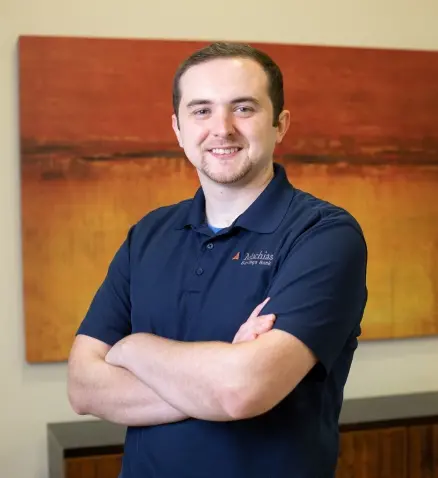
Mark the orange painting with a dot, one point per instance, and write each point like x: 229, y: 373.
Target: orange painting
x: 98, y: 152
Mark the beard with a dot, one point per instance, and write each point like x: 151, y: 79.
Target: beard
x: 226, y: 171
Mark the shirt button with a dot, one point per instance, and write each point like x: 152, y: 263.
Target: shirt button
x: 210, y: 245
x: 199, y: 271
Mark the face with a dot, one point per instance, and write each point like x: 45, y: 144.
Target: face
x: 226, y: 120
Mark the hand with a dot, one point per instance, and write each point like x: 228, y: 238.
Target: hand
x: 255, y: 325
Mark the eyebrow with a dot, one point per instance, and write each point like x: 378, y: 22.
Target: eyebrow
x: 241, y: 99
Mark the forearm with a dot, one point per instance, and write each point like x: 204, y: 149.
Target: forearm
x: 199, y: 379
x: 115, y: 394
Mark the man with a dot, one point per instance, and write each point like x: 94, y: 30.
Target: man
x: 166, y: 347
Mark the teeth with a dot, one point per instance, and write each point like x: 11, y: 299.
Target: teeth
x: 225, y: 150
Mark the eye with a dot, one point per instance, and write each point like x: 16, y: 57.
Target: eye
x: 201, y: 112
x: 245, y: 110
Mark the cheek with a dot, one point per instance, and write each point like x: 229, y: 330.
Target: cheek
x: 266, y: 136
x: 202, y: 135
x: 194, y: 134
x: 261, y: 144
x: 256, y: 131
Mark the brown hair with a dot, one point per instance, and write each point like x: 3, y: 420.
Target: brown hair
x: 219, y: 50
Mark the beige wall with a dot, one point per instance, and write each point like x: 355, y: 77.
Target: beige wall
x: 30, y: 396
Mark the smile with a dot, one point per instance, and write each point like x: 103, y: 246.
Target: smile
x: 224, y: 151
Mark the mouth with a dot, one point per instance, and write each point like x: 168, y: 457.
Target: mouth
x: 225, y: 153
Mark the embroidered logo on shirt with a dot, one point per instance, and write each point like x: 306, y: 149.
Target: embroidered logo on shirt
x: 262, y: 258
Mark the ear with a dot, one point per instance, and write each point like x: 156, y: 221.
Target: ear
x: 283, y: 125
x: 176, y: 130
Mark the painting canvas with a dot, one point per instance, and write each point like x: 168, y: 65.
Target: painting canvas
x: 98, y: 152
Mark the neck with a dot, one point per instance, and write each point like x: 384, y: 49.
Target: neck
x: 225, y: 202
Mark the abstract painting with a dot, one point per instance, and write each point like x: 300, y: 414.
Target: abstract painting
x: 98, y: 152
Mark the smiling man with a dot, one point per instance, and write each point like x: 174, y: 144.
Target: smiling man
x: 224, y: 331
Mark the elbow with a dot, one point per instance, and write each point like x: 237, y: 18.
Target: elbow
x: 78, y: 405
x: 77, y: 399
x: 244, y: 395
x: 240, y: 403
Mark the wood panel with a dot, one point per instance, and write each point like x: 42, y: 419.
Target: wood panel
x: 102, y: 466
x: 423, y: 451
x: 373, y: 454
x: 397, y: 452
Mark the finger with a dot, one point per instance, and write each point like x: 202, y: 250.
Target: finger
x: 244, y: 337
x: 241, y: 334
x: 267, y: 318
x: 259, y: 308
x: 264, y: 327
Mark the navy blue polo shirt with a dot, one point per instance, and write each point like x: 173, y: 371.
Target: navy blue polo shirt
x: 176, y: 278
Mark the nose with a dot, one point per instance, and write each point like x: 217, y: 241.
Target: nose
x: 223, y: 124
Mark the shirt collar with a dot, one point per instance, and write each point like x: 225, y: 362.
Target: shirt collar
x: 264, y: 215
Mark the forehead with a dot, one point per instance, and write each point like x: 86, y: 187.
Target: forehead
x: 225, y: 78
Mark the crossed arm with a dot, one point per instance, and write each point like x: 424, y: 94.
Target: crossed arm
x: 215, y: 380
x: 112, y: 393
x: 144, y: 379
x: 148, y: 380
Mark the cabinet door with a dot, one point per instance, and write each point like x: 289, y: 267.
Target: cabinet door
x: 101, y: 466
x: 423, y: 451
x: 380, y: 453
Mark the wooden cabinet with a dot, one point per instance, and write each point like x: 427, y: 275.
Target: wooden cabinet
x: 423, y: 451
x: 373, y: 454
x: 386, y: 452
x: 383, y: 437
x: 100, y: 466
x: 389, y: 452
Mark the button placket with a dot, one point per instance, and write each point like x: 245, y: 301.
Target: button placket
x: 206, y: 248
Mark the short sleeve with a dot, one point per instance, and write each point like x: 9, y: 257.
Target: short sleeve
x: 109, y: 316
x: 319, y: 292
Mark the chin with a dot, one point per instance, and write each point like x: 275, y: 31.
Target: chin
x: 227, y: 175
x: 226, y: 172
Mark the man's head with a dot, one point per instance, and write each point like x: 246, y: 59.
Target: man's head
x: 228, y: 111
x: 221, y: 50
